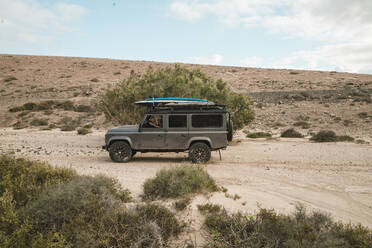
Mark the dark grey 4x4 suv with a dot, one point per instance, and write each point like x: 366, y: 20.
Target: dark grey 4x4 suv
x: 173, y: 125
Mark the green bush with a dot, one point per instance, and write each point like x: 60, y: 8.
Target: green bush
x: 269, y: 229
x: 118, y: 102
x: 291, y: 133
x: 258, y: 135
x: 178, y: 181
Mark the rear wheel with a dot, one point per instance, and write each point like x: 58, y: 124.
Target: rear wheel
x: 120, y: 152
x: 199, y: 153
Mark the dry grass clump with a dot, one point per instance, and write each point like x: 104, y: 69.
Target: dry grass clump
x: 209, y: 208
x: 269, y: 229
x: 291, y: 133
x: 178, y: 181
x: 256, y: 135
x: 182, y: 203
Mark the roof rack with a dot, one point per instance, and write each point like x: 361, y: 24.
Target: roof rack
x: 174, y: 101
x: 180, y: 105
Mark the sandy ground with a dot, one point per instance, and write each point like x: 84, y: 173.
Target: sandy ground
x: 331, y: 177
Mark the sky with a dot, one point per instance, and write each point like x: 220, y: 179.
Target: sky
x: 333, y: 35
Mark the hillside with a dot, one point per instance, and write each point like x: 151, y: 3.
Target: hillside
x: 325, y: 100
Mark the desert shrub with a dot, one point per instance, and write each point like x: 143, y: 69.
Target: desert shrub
x: 363, y: 115
x: 330, y: 136
x: 302, y: 124
x: 48, y: 106
x: 25, y: 179
x: 269, y: 229
x: 83, y: 131
x: 41, y: 206
x: 324, y: 136
x: 360, y: 141
x: 69, y: 124
x: 182, y: 204
x: 118, y: 102
x: 19, y: 125
x: 83, y: 108
x: 343, y: 138
x: 88, y: 125
x: 10, y: 78
x: 39, y: 122
x: 258, y: 135
x: 178, y: 181
x: 291, y: 133
x: 95, y: 80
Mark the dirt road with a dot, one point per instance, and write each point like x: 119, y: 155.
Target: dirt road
x: 332, y: 177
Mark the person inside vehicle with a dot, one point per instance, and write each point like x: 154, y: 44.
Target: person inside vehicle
x: 154, y: 121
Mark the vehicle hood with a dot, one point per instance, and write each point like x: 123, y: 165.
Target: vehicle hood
x: 124, y: 129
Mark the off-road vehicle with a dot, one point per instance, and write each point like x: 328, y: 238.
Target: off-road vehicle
x: 173, y: 125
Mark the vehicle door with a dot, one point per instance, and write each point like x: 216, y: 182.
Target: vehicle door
x: 152, y: 132
x: 177, y: 134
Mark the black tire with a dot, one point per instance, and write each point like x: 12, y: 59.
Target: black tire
x: 120, y: 152
x: 229, y: 130
x: 199, y: 153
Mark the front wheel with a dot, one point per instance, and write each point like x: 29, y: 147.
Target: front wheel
x: 199, y: 153
x: 120, y: 152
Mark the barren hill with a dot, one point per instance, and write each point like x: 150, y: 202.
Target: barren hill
x: 324, y: 100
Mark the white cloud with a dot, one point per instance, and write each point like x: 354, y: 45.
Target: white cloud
x: 216, y: 59
x: 29, y: 21
x: 344, y: 26
x: 230, y: 12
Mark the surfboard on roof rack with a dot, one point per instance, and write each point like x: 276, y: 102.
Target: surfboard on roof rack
x: 174, y: 101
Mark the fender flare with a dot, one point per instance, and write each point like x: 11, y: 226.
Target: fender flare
x: 201, y: 139
x: 119, y: 138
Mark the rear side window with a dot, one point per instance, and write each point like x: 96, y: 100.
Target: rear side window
x: 177, y: 121
x: 206, y: 120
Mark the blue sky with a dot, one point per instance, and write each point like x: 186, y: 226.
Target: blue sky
x: 301, y: 34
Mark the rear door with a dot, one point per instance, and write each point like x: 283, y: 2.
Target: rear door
x: 177, y: 134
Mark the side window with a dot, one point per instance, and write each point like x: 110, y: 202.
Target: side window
x: 153, y: 121
x: 177, y: 121
x: 206, y: 120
